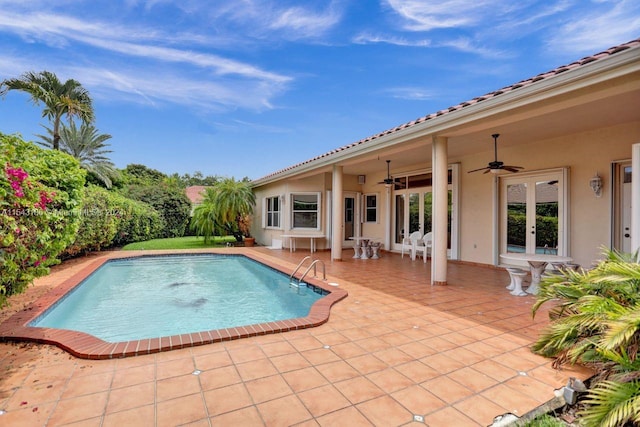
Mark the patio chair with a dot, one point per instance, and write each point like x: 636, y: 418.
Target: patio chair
x: 410, y: 243
x: 427, y: 243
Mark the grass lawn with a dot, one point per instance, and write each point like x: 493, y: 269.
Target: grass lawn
x: 189, y: 242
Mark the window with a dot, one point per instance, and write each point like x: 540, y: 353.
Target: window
x: 305, y: 210
x: 273, y: 212
x: 370, y: 208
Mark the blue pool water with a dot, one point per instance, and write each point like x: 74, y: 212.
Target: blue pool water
x: 149, y: 297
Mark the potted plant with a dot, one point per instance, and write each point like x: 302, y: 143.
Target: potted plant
x: 244, y: 224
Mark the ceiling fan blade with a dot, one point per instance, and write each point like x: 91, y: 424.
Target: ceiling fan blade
x: 478, y: 170
x: 512, y: 168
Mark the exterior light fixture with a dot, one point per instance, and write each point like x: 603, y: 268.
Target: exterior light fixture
x: 596, y: 185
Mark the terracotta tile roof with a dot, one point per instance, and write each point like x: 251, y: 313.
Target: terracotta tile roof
x: 521, y: 84
x: 195, y: 193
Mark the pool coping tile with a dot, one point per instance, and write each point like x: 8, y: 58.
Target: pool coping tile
x: 86, y: 346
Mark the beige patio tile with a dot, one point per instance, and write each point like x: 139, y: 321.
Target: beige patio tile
x: 179, y: 411
x: 418, y: 400
x: 359, y: 389
x: 367, y: 363
x: 289, y: 362
x: 246, y: 353
x: 268, y: 388
x: 450, y: 417
x: 278, y: 348
x: 245, y: 417
x: 447, y: 389
x: 174, y: 368
x: 135, y: 375
x: 337, y: 371
x: 287, y: 410
x: 349, y: 416
x: 227, y: 399
x: 322, y: 400
x: 472, y: 379
x: 480, y: 409
x: 385, y: 410
x: 304, y: 379
x: 212, y: 360
x: 390, y: 380
x: 79, y: 408
x: 256, y: 369
x: 220, y: 377
x: 143, y: 416
x: 122, y: 399
x: 173, y: 387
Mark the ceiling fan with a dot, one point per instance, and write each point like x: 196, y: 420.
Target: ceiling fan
x: 388, y: 180
x: 496, y: 166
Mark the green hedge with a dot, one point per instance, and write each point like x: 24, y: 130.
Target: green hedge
x: 108, y: 218
x: 171, y: 203
x: 39, y: 192
x: 546, y: 230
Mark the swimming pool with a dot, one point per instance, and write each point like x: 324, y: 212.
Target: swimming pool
x: 198, y: 289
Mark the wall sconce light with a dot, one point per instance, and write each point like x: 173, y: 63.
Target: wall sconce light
x: 362, y: 179
x: 282, y: 199
x: 596, y: 185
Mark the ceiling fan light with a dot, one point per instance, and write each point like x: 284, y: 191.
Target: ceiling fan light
x: 496, y: 171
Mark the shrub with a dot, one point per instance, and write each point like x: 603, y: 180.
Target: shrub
x: 39, y: 191
x: 99, y: 221
x: 138, y: 222
x: 596, y: 322
x: 171, y: 203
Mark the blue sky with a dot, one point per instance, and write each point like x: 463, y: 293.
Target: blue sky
x: 247, y: 87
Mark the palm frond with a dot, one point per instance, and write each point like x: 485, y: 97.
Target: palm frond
x: 612, y: 404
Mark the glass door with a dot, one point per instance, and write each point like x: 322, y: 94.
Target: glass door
x: 351, y: 212
x: 622, y: 208
x: 414, y: 205
x: 532, y: 214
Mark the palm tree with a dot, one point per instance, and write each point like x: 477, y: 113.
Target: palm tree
x: 596, y: 322
x: 86, y: 145
x: 60, y: 99
x: 227, y: 205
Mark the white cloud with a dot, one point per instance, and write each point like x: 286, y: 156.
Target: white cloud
x: 598, y: 27
x: 429, y: 15
x: 366, y: 38
x: 303, y: 22
x: 411, y: 93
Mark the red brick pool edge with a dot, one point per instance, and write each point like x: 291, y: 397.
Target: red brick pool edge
x: 86, y: 346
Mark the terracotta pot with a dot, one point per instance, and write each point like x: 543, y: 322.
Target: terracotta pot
x: 249, y: 241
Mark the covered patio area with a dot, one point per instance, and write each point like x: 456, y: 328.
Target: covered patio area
x: 396, y: 351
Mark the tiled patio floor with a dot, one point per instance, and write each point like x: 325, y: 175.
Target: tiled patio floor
x: 395, y: 352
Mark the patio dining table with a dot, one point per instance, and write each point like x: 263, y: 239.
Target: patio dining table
x: 362, y: 241
x: 537, y: 264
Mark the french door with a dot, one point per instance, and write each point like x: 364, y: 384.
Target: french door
x: 413, y: 206
x: 622, y: 207
x: 351, y: 218
x: 533, y: 216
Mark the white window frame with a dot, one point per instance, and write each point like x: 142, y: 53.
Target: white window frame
x: 366, y: 209
x: 266, y: 211
x: 318, y: 209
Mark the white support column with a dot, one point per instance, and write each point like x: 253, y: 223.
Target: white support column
x: 440, y: 210
x: 337, y: 214
x: 387, y: 217
x: 635, y: 197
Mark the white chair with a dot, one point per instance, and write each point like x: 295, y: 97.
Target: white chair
x: 427, y: 243
x: 410, y: 243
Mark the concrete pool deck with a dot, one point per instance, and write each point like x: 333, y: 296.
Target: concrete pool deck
x: 395, y: 352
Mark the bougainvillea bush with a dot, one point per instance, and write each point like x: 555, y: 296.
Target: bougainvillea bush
x: 40, y: 192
